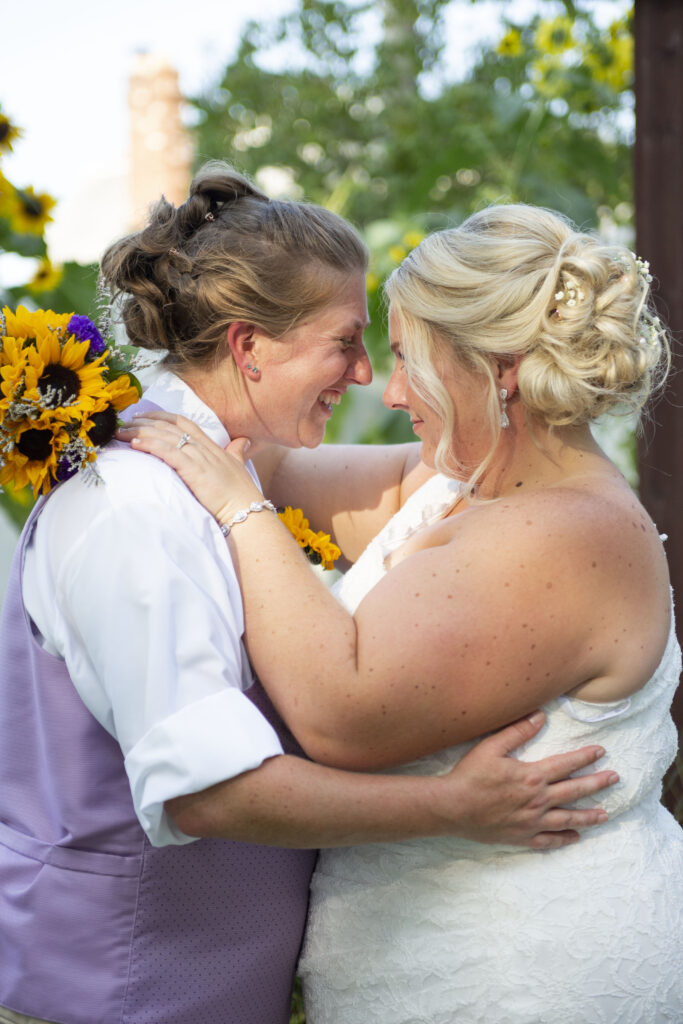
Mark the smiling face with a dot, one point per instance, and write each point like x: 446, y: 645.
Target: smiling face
x: 466, y: 394
x: 305, y: 373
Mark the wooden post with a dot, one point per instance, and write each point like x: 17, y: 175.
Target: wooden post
x: 659, y: 239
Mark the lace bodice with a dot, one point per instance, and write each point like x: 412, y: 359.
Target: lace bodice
x: 445, y: 931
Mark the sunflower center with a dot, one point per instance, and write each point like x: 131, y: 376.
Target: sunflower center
x: 58, y: 385
x: 104, y: 426
x: 35, y: 444
x: 32, y: 206
x: 4, y: 129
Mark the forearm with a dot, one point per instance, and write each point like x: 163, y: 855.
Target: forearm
x: 489, y: 797
x: 314, y: 708
x: 294, y: 803
x: 348, y: 491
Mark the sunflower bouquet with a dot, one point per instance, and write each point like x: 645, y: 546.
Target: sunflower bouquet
x: 61, y: 389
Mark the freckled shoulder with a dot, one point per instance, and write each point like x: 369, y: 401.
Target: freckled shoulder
x: 588, y: 535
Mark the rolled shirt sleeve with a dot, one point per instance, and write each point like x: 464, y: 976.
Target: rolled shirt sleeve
x: 205, y: 742
x: 145, y: 608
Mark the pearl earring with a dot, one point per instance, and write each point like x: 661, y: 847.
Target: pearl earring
x: 504, y: 418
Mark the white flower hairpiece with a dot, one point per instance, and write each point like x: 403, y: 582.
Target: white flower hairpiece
x: 652, y: 330
x: 569, y: 294
x: 643, y: 268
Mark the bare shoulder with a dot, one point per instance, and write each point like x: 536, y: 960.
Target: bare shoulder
x: 583, y: 515
x: 588, y: 550
x: 559, y: 591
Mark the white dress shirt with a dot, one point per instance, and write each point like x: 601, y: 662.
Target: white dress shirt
x: 130, y: 582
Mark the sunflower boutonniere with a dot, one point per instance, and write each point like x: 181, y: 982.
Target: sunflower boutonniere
x: 318, y: 547
x: 61, y: 389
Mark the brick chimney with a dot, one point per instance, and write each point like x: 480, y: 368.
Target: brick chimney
x: 160, y: 147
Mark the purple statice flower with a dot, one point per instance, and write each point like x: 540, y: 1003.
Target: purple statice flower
x: 65, y: 470
x: 84, y: 329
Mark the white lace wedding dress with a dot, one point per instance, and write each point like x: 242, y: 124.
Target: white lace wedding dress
x: 444, y: 931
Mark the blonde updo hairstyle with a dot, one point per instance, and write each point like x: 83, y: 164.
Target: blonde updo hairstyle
x: 227, y: 254
x: 519, y: 280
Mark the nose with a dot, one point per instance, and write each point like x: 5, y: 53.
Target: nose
x: 359, y: 369
x: 394, y: 396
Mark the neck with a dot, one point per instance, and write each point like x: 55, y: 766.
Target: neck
x: 219, y: 389
x: 528, y: 457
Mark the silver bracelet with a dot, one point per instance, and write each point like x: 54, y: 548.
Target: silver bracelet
x: 239, y: 517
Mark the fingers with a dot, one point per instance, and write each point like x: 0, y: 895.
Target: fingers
x: 560, y: 766
x: 570, y: 790
x: 169, y: 438
x: 559, y: 826
x: 160, y: 415
x: 515, y: 735
x: 558, y: 819
x: 553, y: 840
x: 239, y: 448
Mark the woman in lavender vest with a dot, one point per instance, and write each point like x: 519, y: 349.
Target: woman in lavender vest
x: 125, y: 690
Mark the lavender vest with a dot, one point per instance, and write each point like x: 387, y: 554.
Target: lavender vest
x: 96, y: 925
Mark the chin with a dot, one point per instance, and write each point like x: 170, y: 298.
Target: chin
x: 309, y: 439
x: 428, y: 455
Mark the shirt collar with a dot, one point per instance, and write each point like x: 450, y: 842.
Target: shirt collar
x: 174, y: 395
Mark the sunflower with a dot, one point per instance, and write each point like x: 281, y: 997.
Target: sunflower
x: 46, y: 277
x: 101, y: 423
x: 58, y: 375
x: 8, y: 134
x: 32, y: 211
x: 8, y: 203
x: 296, y: 523
x: 321, y: 550
x: 318, y: 547
x: 31, y: 454
x: 511, y: 44
x: 555, y: 36
x: 611, y: 62
x: 412, y: 238
x: 12, y: 361
x: 32, y: 324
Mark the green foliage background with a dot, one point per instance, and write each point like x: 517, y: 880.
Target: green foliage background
x: 370, y: 123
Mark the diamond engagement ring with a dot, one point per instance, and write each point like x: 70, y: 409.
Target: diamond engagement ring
x: 185, y: 439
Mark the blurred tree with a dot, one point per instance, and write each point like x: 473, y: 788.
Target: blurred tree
x: 367, y: 122
x: 24, y: 215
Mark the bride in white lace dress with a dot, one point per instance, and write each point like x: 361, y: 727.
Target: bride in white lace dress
x: 444, y: 931
x: 526, y: 575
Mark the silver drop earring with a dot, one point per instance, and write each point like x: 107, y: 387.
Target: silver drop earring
x: 504, y: 418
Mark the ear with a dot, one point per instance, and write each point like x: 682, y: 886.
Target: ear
x: 240, y: 338
x: 506, y: 370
